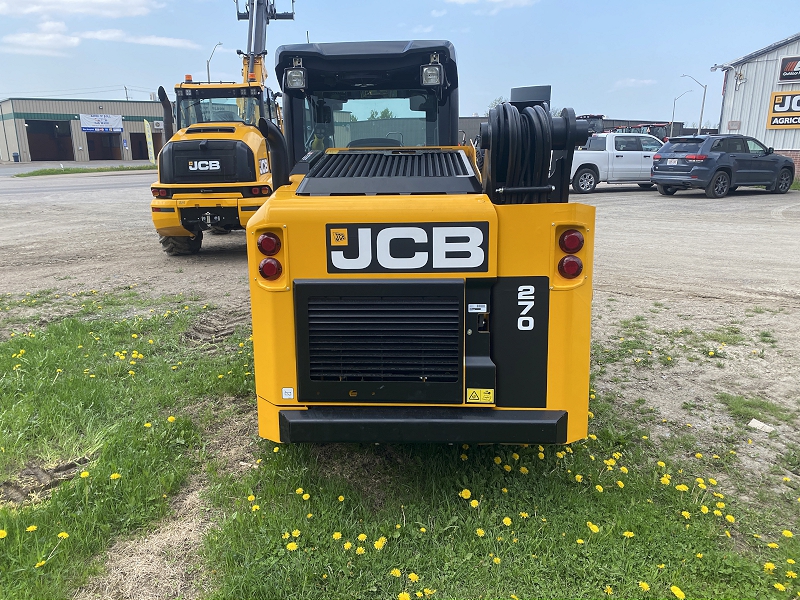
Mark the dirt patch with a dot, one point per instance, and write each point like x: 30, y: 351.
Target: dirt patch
x: 35, y: 483
x: 212, y: 328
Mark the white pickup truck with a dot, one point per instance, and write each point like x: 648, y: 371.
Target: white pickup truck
x: 614, y: 158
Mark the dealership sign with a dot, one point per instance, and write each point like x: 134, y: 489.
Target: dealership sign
x: 102, y: 123
x: 784, y: 111
x: 790, y: 69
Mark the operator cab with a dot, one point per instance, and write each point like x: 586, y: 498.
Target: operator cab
x: 199, y: 103
x: 368, y: 95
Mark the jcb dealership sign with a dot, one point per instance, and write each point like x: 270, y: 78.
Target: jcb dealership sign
x: 784, y: 110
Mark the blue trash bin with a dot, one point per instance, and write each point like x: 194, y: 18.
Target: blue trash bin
x: 15, y: 156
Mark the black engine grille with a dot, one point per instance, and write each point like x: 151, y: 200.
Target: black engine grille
x: 377, y: 172
x: 380, y: 340
x: 384, y: 339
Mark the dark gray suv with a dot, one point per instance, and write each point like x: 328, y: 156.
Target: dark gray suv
x: 719, y: 164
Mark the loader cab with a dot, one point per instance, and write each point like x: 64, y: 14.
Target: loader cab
x: 202, y: 103
x: 368, y: 95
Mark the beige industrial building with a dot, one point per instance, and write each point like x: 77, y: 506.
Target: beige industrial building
x: 34, y: 129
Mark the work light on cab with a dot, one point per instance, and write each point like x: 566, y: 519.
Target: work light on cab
x: 570, y: 267
x: 571, y: 241
x: 269, y: 244
x: 270, y: 269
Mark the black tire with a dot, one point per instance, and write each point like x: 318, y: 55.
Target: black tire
x: 666, y: 190
x: 479, y: 158
x: 719, y: 186
x: 183, y: 245
x: 645, y: 186
x: 215, y: 230
x: 783, y: 182
x: 585, y: 181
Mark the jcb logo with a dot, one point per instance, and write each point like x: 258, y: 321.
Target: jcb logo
x: 204, y: 165
x: 408, y: 247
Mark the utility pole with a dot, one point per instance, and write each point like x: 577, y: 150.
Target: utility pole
x: 672, y: 122
x: 208, y: 62
x: 703, y: 105
x: 126, y: 92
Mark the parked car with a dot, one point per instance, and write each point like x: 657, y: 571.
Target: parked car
x: 614, y: 158
x: 719, y: 164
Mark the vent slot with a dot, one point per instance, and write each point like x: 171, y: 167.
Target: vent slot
x: 202, y: 130
x: 384, y: 339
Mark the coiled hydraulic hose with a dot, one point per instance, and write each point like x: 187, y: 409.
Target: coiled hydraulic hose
x: 519, y: 153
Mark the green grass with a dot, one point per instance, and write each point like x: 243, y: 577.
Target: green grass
x: 796, y: 185
x: 69, y: 390
x: 67, y: 170
x: 415, y: 502
x: 744, y: 409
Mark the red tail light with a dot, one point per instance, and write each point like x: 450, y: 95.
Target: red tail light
x: 162, y: 193
x: 270, y: 269
x: 656, y: 157
x: 570, y: 267
x: 571, y: 241
x: 154, y: 191
x: 266, y: 191
x: 256, y: 191
x: 696, y: 158
x: 269, y: 244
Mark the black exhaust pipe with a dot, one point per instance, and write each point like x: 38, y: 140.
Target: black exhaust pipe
x: 278, y: 152
x: 169, y: 128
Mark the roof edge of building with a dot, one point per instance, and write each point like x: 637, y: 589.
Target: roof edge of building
x: 765, y: 50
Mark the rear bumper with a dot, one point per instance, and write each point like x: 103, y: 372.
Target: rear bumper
x: 422, y: 425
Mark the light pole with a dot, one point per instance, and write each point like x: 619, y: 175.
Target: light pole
x: 208, y: 62
x: 672, y: 122
x: 703, y: 105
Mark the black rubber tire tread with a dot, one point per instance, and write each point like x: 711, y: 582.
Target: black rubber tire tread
x: 782, y: 182
x: 666, y: 190
x: 712, y: 189
x: 645, y: 186
x: 181, y: 245
x: 575, y: 180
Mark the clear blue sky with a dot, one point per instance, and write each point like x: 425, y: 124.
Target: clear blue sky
x: 621, y: 58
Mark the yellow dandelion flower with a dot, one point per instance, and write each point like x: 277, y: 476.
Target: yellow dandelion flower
x: 717, y: 512
x: 134, y: 335
x: 712, y: 481
x: 698, y: 455
x: 699, y: 555
x: 507, y: 468
x: 380, y: 543
x: 84, y: 474
x: 496, y: 560
x: 720, y: 505
x: 31, y: 528
x: 276, y: 449
x: 464, y: 457
x: 686, y: 514
x: 678, y: 592
x: 661, y: 566
x: 306, y: 496
x: 620, y: 484
x: 309, y: 515
x: 608, y: 590
x: 599, y: 488
x: 395, y: 573
x: 682, y: 488
x: 497, y: 460
x: 171, y: 419
x: 422, y: 529
x: 524, y: 515
x: 148, y: 425
x: 348, y: 545
x: 504, y: 490
x: 644, y: 586
x: 592, y: 436
x: 773, y: 545
x: 628, y: 534
x: 578, y: 478
x: 506, y: 521
x: 661, y: 464
x: 624, y: 470
x: 727, y: 533
x: 769, y: 567
x: 480, y: 532
x: 403, y: 596
x: 428, y: 591
x: 790, y: 561
x: 41, y: 563
x: 114, y: 476
x: 413, y: 577
x: 360, y: 550
x: 665, y: 480
x: 250, y: 498
x: 296, y: 533
x: 594, y: 528
x: 524, y: 470
x: 3, y: 533
x: 515, y: 456
x: 465, y: 494
x: 255, y: 507
x: 786, y: 533
x: 702, y: 486
x: 285, y: 535
x: 579, y: 541
x: 341, y: 498
x: 704, y: 509
x: 337, y: 535
x: 730, y: 518
x: 779, y: 586
x: 791, y: 574
x: 474, y: 503
x: 362, y: 537
x: 291, y: 546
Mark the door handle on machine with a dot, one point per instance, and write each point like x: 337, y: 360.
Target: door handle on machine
x: 619, y: 155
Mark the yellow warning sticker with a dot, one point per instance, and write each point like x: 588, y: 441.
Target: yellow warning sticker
x: 480, y: 396
x: 338, y: 237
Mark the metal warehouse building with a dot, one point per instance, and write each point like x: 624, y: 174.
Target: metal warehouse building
x: 761, y: 96
x: 34, y: 129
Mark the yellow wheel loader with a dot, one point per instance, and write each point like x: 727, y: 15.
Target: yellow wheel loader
x: 398, y: 293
